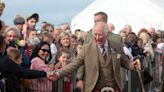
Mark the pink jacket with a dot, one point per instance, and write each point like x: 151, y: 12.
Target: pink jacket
x: 41, y: 84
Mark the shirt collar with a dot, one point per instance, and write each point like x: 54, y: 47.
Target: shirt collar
x: 105, y: 44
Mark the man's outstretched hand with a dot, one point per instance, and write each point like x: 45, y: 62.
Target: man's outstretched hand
x: 52, y: 75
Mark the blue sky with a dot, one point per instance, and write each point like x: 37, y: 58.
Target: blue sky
x: 53, y: 11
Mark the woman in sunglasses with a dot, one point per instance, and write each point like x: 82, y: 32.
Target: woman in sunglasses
x: 39, y: 61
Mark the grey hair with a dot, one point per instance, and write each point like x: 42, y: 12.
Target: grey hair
x: 105, y: 26
x: 33, y: 41
x: 13, y: 29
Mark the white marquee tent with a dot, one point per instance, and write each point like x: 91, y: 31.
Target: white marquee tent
x: 137, y: 13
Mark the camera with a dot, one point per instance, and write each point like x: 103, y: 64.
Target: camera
x: 13, y: 43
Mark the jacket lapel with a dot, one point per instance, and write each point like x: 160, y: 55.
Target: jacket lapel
x: 112, y: 51
x: 94, y: 51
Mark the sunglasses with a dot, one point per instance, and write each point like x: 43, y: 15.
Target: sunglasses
x: 45, y: 50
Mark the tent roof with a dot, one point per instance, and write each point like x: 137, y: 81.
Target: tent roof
x: 159, y: 3
x: 137, y: 13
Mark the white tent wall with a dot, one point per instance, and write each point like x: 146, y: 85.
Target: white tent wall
x: 137, y: 13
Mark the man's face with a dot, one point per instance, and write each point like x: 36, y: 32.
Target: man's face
x: 79, y: 47
x: 98, y: 18
x: 151, y: 31
x: 127, y: 29
x: 20, y: 27
x: 123, y: 36
x: 111, y: 27
x: 1, y: 10
x: 99, y: 34
x: 74, y: 42
x: 31, y: 23
x: 48, y: 39
x: 56, y: 34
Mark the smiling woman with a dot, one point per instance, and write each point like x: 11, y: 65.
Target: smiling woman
x: 42, y: 50
x: 40, y: 58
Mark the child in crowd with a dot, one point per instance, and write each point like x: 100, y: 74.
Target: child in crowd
x: 62, y: 59
x: 12, y: 71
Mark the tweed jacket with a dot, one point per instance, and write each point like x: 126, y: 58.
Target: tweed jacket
x: 89, y: 37
x: 89, y: 57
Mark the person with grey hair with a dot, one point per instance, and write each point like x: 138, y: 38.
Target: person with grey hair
x: 111, y: 27
x: 127, y: 28
x: 66, y: 27
x: 11, y: 34
x: 102, y: 62
x: 33, y: 41
x: 19, y: 21
x: 100, y: 17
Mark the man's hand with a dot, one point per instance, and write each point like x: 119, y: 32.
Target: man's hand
x: 137, y: 64
x: 56, y: 75
x: 80, y: 84
x: 50, y: 75
x: 53, y: 75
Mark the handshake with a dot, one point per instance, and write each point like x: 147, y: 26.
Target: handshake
x: 52, y: 75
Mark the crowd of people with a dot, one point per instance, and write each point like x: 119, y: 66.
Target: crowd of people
x: 53, y: 59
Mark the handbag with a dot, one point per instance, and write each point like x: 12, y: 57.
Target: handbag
x: 147, y: 78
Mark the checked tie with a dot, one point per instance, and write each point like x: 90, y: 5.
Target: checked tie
x: 103, y: 52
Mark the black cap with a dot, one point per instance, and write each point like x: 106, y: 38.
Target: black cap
x: 35, y: 16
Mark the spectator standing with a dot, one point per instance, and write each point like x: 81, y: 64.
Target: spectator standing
x: 39, y: 61
x: 62, y: 59
x: 2, y: 50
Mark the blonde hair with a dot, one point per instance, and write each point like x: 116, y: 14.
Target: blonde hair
x: 14, y: 54
x: 145, y: 37
x: 61, y: 35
